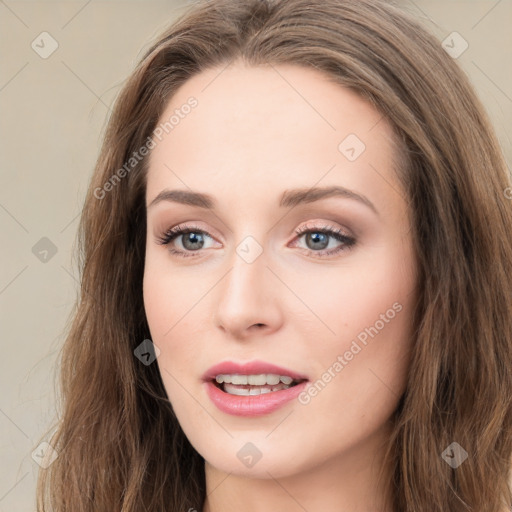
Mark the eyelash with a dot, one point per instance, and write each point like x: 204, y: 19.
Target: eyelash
x: 348, y: 242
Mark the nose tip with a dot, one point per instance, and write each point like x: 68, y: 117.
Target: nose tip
x: 244, y: 297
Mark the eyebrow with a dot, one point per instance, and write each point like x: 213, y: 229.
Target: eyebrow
x: 289, y: 198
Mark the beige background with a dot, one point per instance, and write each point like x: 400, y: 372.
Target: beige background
x: 53, y: 112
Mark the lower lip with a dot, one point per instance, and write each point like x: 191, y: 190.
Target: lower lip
x: 255, y: 405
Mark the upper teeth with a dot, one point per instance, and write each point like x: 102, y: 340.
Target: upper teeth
x: 254, y: 380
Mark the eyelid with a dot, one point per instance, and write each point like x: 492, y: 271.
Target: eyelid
x: 181, y: 229
x: 333, y: 232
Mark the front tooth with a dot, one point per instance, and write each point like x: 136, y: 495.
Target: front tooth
x: 239, y: 379
x: 257, y: 380
x: 272, y: 379
x: 254, y: 380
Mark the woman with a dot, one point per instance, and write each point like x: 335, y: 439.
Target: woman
x: 295, y: 276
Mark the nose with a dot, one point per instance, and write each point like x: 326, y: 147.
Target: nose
x: 248, y: 303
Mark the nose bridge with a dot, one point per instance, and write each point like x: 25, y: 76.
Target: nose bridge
x: 247, y: 278
x: 245, y: 298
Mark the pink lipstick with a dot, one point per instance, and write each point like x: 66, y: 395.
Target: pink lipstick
x: 252, y: 389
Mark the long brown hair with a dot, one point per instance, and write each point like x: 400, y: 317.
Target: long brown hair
x: 121, y: 447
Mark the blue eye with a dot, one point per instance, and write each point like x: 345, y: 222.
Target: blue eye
x: 319, y: 237
x: 193, y: 240
x: 183, y: 231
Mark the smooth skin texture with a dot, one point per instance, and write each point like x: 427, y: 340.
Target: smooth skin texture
x: 256, y: 132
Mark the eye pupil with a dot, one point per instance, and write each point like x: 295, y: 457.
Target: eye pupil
x: 193, y: 239
x: 316, y: 238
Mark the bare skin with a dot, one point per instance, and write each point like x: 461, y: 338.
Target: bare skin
x: 251, y: 137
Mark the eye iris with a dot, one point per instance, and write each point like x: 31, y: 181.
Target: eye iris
x: 193, y: 239
x: 324, y: 240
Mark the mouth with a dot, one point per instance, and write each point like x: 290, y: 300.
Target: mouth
x: 252, y: 385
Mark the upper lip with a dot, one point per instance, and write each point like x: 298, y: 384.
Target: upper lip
x: 249, y: 368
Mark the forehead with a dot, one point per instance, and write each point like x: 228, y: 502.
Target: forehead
x: 265, y: 127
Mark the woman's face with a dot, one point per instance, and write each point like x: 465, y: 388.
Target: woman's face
x: 258, y: 277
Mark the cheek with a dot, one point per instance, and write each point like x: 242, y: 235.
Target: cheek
x: 354, y: 295
x: 173, y: 326
x: 367, y: 311
x: 172, y: 307
x: 167, y: 295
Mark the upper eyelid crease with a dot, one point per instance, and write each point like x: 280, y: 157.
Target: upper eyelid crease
x: 289, y: 198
